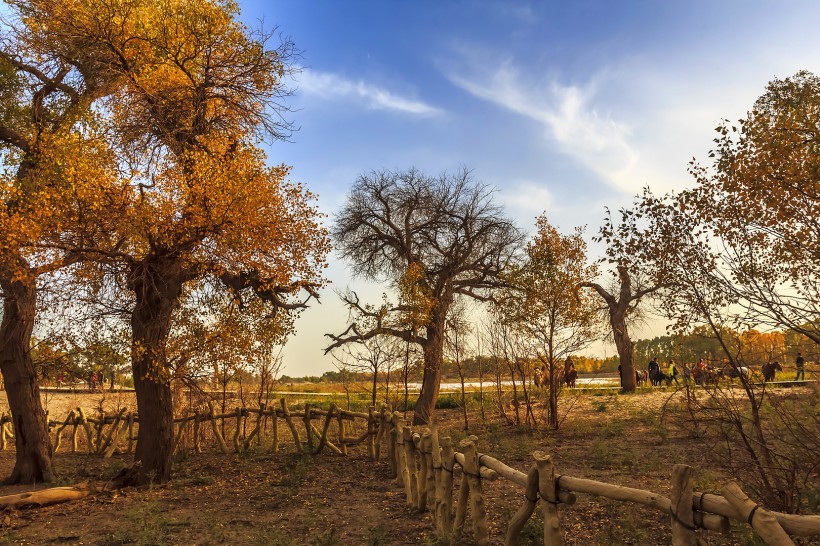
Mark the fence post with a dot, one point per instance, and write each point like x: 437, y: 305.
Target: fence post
x: 447, y: 463
x: 391, y: 447
x: 683, y: 521
x: 236, y: 446
x: 411, y: 485
x: 197, y: 424
x: 763, y: 522
x: 401, y: 465
x: 523, y: 514
x: 371, y: 433
x: 546, y: 488
x: 472, y: 472
x: 274, y: 414
x: 217, y: 434
x: 307, y: 427
x: 291, y: 426
x: 430, y: 486
x: 341, y: 426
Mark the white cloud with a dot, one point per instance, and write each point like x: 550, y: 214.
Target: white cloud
x: 526, y: 199
x: 569, y: 119
x: 332, y: 86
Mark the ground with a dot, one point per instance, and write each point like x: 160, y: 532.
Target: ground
x: 261, y: 497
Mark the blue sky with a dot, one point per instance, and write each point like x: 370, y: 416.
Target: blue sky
x: 563, y: 107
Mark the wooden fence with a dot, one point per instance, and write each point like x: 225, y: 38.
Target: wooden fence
x: 425, y: 465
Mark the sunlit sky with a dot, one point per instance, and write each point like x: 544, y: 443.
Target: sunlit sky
x: 564, y: 107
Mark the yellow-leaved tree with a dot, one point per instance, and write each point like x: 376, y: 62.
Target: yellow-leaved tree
x: 200, y: 90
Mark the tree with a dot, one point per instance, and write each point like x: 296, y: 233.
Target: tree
x: 52, y: 153
x: 449, y: 229
x: 547, y: 307
x: 371, y: 357
x: 200, y: 89
x: 636, y: 278
x: 761, y: 200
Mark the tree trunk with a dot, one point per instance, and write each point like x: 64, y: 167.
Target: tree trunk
x: 157, y: 287
x: 626, y: 350
x: 31, y: 438
x: 431, y: 380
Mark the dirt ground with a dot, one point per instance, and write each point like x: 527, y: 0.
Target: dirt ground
x: 265, y: 498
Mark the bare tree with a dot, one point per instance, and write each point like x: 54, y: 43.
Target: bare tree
x: 446, y: 227
x: 371, y: 356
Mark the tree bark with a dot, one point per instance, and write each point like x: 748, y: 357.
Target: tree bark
x: 31, y: 437
x: 626, y: 349
x: 157, y: 286
x: 431, y: 380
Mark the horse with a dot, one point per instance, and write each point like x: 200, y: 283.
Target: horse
x: 769, y: 369
x: 538, y: 377
x: 641, y: 377
x: 656, y: 376
x: 570, y: 378
x: 740, y: 371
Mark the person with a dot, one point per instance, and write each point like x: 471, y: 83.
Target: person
x: 801, y: 367
x: 673, y: 372
x: 654, y: 367
x: 687, y: 374
x: 620, y: 375
x: 568, y: 365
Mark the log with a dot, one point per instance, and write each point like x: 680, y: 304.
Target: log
x: 109, y: 452
x: 323, y: 437
x: 256, y: 429
x: 391, y: 449
x: 523, y: 514
x: 549, y: 508
x: 411, y: 485
x: 131, y: 436
x: 447, y: 464
x: 89, y: 434
x: 793, y: 524
x: 69, y: 419
x: 764, y: 523
x: 485, y: 473
x: 329, y: 445
x: 113, y: 432
x: 430, y: 489
x: 197, y: 439
x: 477, y: 510
x: 380, y: 433
x: 402, y: 474
x: 286, y: 414
x: 680, y: 510
x: 306, y: 420
x: 223, y: 447
x: 371, y: 445
x: 424, y: 470
x: 45, y: 497
x: 237, y: 447
x: 275, y: 425
x: 638, y: 496
x: 340, y: 425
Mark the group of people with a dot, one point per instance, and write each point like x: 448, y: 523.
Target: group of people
x: 698, y: 372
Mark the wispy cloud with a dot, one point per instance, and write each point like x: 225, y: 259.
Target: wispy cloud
x: 568, y: 117
x: 333, y: 86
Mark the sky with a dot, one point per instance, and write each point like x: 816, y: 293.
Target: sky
x: 565, y: 108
